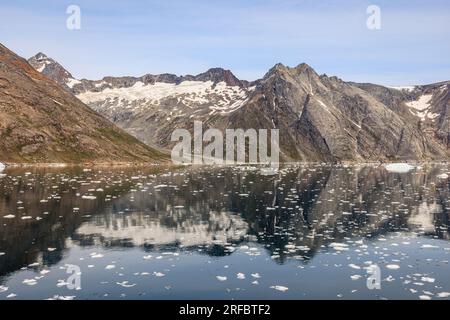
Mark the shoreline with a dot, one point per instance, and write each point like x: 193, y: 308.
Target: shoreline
x: 168, y: 164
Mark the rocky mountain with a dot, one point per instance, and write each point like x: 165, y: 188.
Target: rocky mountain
x: 53, y: 70
x: 41, y: 122
x: 321, y: 118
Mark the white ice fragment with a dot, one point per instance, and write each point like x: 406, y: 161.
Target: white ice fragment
x: 427, y: 279
x: 280, y: 288
x: 399, y: 167
x: 89, y: 197
x: 240, y: 276
x: 221, y: 278
x: 443, y: 294
x: 429, y: 246
x: 393, y: 266
x: 110, y: 266
x: 126, y: 284
x: 30, y: 282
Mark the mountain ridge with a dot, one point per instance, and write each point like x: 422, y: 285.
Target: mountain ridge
x: 320, y: 117
x: 42, y: 122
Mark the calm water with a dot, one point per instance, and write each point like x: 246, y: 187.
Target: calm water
x: 307, y: 232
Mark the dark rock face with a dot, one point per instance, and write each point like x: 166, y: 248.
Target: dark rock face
x: 41, y: 122
x: 326, y: 119
x: 51, y: 69
x: 320, y: 118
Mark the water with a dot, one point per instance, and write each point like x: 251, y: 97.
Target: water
x: 308, y: 232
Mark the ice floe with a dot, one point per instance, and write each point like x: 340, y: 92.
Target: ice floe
x: 399, y: 167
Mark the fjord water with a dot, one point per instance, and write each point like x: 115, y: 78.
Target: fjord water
x: 306, y: 232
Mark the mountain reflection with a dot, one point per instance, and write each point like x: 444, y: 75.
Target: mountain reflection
x: 293, y: 214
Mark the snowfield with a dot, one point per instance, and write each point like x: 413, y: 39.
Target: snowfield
x: 421, y: 107
x: 191, y: 93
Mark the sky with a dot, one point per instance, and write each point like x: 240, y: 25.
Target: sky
x: 130, y: 37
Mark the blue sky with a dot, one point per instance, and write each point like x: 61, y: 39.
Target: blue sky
x: 129, y: 37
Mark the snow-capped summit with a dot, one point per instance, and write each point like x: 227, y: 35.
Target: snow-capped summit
x: 320, y: 117
x: 53, y: 70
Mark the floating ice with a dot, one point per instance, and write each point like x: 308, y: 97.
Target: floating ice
x: 30, y: 282
x: 399, y: 167
x: 158, y: 274
x: 240, y: 276
x: 356, y: 277
x: 339, y: 246
x: 2, y: 167
x: 280, y: 288
x: 443, y: 176
x: 427, y: 279
x: 221, y: 278
x: 393, y: 266
x: 110, y: 266
x: 429, y: 246
x: 424, y: 297
x: 9, y: 216
x: 89, y: 197
x: 126, y: 284
x: 3, y: 289
x: 256, y: 275
x: 443, y: 294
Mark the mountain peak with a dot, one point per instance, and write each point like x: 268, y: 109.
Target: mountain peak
x: 50, y: 68
x: 44, y: 123
x: 217, y: 75
x: 40, y: 56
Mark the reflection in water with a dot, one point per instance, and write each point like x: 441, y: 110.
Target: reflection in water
x: 288, y: 224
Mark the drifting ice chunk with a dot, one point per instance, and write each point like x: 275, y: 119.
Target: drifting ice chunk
x: 399, y: 167
x: 280, y: 288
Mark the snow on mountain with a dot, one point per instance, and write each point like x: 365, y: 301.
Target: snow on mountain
x: 53, y: 70
x: 192, y: 94
x: 401, y: 88
x: 320, y: 118
x: 421, y: 107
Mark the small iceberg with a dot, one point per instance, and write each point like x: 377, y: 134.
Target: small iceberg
x: 441, y: 176
x: 399, y: 167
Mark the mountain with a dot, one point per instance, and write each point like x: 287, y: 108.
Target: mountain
x: 324, y: 118
x: 53, y: 70
x: 41, y: 122
x: 320, y: 117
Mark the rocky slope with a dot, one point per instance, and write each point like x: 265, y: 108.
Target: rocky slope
x: 320, y: 118
x: 41, y: 122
